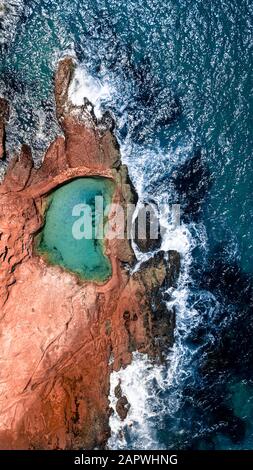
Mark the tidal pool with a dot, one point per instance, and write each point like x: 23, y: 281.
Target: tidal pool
x: 60, y: 245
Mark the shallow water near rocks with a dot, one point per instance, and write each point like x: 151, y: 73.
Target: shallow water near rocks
x: 83, y: 256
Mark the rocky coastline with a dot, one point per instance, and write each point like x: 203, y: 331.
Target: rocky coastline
x: 61, y: 337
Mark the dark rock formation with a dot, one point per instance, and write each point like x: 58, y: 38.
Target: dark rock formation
x: 122, y: 405
x: 151, y: 239
x: 4, y: 116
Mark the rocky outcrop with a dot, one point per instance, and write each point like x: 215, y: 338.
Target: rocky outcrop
x: 61, y: 337
x: 148, y: 241
x: 122, y: 405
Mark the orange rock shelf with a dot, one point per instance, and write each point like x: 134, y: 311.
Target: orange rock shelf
x: 60, y: 337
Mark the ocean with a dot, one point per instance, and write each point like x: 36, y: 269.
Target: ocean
x: 177, y: 77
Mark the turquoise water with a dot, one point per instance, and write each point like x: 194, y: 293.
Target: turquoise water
x: 58, y: 242
x: 181, y: 75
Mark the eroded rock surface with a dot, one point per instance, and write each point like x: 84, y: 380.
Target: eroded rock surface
x: 60, y: 337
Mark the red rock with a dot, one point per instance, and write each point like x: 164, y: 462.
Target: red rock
x: 19, y: 171
x: 58, y: 334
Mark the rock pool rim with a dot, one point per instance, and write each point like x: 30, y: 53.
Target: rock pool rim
x: 46, y: 200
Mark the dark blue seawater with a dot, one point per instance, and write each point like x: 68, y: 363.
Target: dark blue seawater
x: 180, y: 88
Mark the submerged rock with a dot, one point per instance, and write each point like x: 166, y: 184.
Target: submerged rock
x: 59, y: 332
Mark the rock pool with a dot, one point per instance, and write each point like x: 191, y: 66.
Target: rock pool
x: 62, y: 240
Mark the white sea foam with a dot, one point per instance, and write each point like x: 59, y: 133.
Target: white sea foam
x: 9, y: 16
x: 136, y: 382
x: 142, y: 380
x: 84, y: 85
